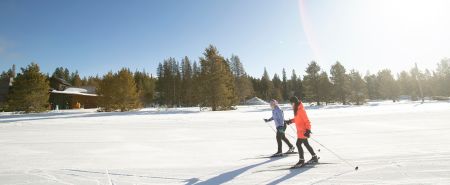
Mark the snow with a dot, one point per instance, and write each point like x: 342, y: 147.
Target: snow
x: 74, y: 91
x: 256, y: 101
x: 392, y: 143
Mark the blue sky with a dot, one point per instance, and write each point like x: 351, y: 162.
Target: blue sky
x: 94, y: 37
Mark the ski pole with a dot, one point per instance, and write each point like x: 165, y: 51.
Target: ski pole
x: 285, y: 132
x: 331, y: 151
x: 271, y: 127
x: 339, y: 157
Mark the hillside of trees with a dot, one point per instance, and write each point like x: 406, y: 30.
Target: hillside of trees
x: 221, y: 83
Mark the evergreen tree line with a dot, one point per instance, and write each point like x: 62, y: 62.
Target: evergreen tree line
x: 347, y: 87
x: 214, y: 81
x: 221, y: 83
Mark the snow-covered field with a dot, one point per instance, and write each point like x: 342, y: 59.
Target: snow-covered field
x: 401, y: 143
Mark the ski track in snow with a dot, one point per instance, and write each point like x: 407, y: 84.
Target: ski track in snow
x: 392, y: 143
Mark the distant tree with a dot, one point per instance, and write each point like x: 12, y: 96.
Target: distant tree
x: 358, y: 88
x: 94, y: 81
x: 84, y: 81
x: 296, y: 86
x: 61, y: 73
x: 427, y: 84
x: 266, y: 86
x: 30, y: 90
x: 284, y: 84
x: 187, y: 91
x: 75, y: 79
x: 256, y: 84
x: 118, y: 91
x: 407, y: 85
x: 443, y: 77
x: 196, y: 84
x: 244, y: 87
x: 169, y: 83
x: 340, y: 81
x: 388, y: 88
x: 277, y: 87
x: 372, y: 86
x: 312, y: 82
x: 217, y: 88
x: 145, y: 85
x: 325, y: 88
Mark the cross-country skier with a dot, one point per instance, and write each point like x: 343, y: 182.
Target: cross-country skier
x: 278, y: 117
x: 303, y: 131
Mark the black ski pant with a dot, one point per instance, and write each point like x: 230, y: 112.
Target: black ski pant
x: 282, y: 137
x: 300, y: 149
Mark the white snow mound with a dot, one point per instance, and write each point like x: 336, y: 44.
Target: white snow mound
x: 256, y: 101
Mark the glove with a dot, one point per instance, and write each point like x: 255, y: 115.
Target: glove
x: 307, y: 133
x: 287, y: 122
x: 266, y: 120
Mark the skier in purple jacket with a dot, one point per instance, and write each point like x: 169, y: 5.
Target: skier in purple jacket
x: 278, y: 117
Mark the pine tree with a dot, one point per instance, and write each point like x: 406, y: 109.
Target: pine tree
x: 284, y: 84
x: 312, y: 82
x: 118, y: 91
x: 340, y: 82
x: 84, y: 81
x: 427, y: 84
x: 277, y: 87
x: 388, y: 88
x: 126, y: 90
x: 75, y: 79
x: 30, y: 91
x: 325, y: 88
x: 372, y: 86
x: 169, y: 83
x: 66, y: 75
x: 196, y: 84
x: 266, y: 86
x: 145, y: 85
x: 443, y: 77
x: 243, y: 85
x: 296, y: 86
x: 94, y: 81
x: 217, y: 89
x: 403, y: 80
x: 358, y: 88
x: 187, y: 93
x: 177, y: 85
x: 160, y: 84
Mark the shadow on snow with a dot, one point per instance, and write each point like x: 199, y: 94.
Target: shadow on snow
x: 292, y: 173
x: 230, y: 175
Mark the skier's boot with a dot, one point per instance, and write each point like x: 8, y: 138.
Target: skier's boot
x: 278, y: 154
x: 291, y: 150
x: 313, y: 160
x: 300, y: 164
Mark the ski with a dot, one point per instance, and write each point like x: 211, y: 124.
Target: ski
x: 288, y: 153
x: 282, y: 155
x: 287, y: 168
x: 308, y: 163
x: 272, y: 156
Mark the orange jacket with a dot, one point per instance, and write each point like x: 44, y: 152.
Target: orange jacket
x: 301, y: 122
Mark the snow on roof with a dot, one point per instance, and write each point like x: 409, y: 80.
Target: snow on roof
x: 74, y: 91
x: 256, y: 101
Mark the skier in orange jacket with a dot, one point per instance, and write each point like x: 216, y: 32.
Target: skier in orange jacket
x: 303, y: 126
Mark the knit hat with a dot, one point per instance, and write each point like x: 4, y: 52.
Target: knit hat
x: 274, y: 102
x: 294, y: 99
